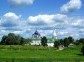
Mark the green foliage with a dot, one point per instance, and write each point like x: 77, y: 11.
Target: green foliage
x: 3, y: 41
x: 71, y: 40
x: 81, y: 40
x: 44, y: 41
x: 25, y: 41
x: 82, y: 50
x: 66, y: 42
x: 56, y: 44
x: 61, y: 41
x: 12, y: 39
x: 77, y: 42
x: 22, y: 41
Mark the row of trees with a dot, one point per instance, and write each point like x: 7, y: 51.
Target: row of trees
x: 65, y: 42
x: 12, y: 39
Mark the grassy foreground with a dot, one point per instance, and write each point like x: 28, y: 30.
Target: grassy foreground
x: 17, y: 53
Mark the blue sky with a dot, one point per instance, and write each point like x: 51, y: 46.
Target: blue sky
x: 24, y: 16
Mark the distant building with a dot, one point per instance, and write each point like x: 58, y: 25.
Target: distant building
x: 36, y: 39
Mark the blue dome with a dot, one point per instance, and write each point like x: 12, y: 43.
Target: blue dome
x: 36, y: 33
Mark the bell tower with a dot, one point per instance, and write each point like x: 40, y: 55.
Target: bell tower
x: 54, y: 35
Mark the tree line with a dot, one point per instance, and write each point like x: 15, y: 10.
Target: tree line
x: 65, y: 42
x: 12, y: 39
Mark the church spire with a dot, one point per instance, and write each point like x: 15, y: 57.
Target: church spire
x: 54, y: 36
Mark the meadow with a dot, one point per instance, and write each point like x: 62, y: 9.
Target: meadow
x: 26, y: 53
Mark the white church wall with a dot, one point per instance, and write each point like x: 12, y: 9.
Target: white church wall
x: 50, y: 44
x: 36, y: 42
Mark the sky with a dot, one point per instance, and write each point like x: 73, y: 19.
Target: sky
x: 23, y: 17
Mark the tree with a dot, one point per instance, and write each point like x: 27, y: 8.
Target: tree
x: 61, y: 41
x: 22, y: 41
x: 71, y: 40
x: 17, y: 40
x: 56, y: 44
x: 44, y: 41
x: 81, y: 40
x: 77, y: 42
x: 82, y: 50
x: 66, y: 42
x: 3, y: 41
x: 11, y: 39
x: 25, y: 41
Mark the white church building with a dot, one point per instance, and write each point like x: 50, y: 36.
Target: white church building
x: 36, y: 38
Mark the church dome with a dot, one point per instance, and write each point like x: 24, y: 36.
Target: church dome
x: 36, y: 34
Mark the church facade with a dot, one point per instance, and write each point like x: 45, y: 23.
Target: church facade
x: 36, y: 39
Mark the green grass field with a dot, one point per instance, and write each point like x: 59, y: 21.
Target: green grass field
x: 17, y: 53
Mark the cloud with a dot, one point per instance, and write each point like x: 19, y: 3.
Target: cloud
x: 64, y: 25
x: 77, y: 23
x: 20, y: 2
x: 71, y: 6
x: 47, y: 19
x: 12, y: 23
x: 10, y: 19
x: 11, y: 15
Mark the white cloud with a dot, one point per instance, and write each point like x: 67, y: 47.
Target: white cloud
x: 12, y: 23
x: 10, y: 19
x: 12, y: 16
x: 71, y: 6
x: 47, y: 19
x: 77, y: 22
x: 20, y: 2
x: 64, y: 25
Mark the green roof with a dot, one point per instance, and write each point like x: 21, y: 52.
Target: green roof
x: 50, y: 40
x: 35, y: 38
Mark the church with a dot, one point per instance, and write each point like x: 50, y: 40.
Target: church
x: 36, y: 38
